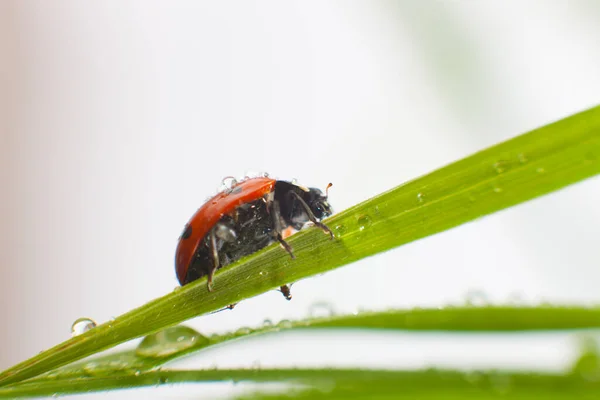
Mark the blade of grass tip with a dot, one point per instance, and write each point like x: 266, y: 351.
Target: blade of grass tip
x: 501, y: 176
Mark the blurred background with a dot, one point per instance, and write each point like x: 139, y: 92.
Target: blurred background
x: 119, y: 118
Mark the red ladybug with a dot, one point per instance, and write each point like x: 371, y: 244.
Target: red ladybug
x: 244, y: 219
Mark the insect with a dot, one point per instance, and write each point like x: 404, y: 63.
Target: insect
x: 249, y: 216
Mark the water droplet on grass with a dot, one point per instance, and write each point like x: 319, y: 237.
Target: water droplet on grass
x: 364, y: 221
x: 267, y: 323
x: 420, y: 198
x: 340, y: 229
x: 170, y: 341
x: 285, y: 324
x: 243, y: 331
x: 82, y: 325
x: 476, y: 298
x: 321, y: 310
x: 587, y: 365
x: 500, y: 166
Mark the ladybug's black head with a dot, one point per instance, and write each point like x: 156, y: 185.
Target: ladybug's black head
x: 317, y: 202
x: 293, y: 201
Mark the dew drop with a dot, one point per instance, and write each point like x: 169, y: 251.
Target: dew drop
x: 243, y: 331
x: 587, y: 366
x: 364, y: 221
x: 476, y: 298
x: 340, y: 229
x: 265, y: 174
x: 82, y: 325
x: 285, y: 324
x: 517, y: 299
x: 294, y: 181
x: 91, y: 368
x: 170, y: 341
x: 321, y: 310
x: 267, y: 323
x: 420, y: 198
x: 497, y: 189
x: 500, y: 166
x: 228, y: 182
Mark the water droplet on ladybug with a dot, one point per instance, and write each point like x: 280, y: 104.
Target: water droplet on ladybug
x: 228, y: 182
x: 82, y: 325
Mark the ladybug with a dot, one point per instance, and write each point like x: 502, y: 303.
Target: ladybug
x: 243, y: 219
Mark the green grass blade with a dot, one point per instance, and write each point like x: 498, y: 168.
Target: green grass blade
x: 344, y: 383
x: 509, y: 173
x: 175, y: 342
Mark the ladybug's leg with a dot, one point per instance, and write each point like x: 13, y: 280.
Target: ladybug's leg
x: 277, y: 229
x: 215, y: 257
x: 229, y: 307
x: 286, y: 291
x: 311, y: 216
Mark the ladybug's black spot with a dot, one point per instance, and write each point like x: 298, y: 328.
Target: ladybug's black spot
x: 187, y: 232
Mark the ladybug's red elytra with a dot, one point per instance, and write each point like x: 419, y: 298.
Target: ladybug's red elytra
x: 247, y: 217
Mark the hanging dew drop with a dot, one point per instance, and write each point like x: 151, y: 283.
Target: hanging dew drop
x: 82, y: 325
x: 170, y: 341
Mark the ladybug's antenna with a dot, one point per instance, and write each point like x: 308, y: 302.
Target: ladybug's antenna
x: 327, y: 189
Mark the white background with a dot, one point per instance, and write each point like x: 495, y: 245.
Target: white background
x: 119, y: 118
